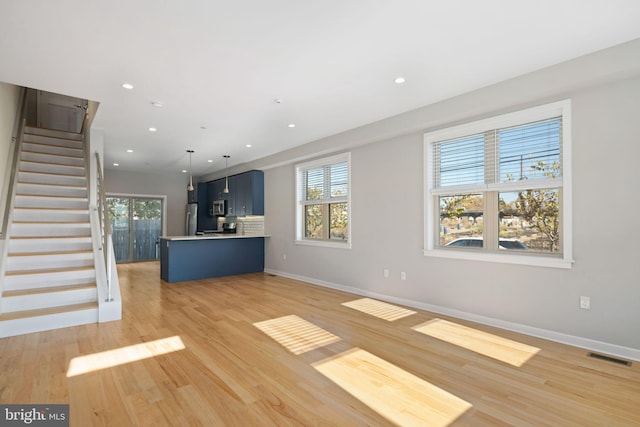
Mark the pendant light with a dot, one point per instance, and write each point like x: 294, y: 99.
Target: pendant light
x: 190, y: 186
x: 226, y: 174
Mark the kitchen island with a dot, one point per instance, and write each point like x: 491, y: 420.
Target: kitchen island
x: 201, y: 257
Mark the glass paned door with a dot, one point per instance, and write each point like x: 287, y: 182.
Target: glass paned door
x: 136, y: 226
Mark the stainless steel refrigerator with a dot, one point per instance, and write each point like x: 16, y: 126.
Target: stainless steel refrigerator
x: 191, y: 219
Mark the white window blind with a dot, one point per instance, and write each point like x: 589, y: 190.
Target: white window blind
x: 324, y: 184
x: 525, y: 152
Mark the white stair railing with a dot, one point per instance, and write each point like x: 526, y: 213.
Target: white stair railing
x: 105, y: 225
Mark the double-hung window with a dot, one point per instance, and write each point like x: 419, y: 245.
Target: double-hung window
x: 499, y: 189
x: 323, y: 202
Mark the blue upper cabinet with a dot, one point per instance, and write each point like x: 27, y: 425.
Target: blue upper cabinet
x: 246, y: 193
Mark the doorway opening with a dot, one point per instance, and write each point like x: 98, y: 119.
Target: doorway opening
x: 136, y: 224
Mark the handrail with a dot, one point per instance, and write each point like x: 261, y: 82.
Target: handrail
x: 15, y: 161
x: 105, y: 224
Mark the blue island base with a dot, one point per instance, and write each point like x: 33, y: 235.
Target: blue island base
x: 193, y: 259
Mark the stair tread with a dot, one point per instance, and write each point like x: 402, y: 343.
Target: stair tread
x: 48, y: 311
x: 48, y: 270
x: 36, y: 291
x: 85, y: 236
x: 36, y: 128
x: 21, y: 254
x: 52, y: 173
x: 51, y: 195
x: 52, y: 163
x: 60, y: 222
x: 51, y: 209
x: 52, y: 154
x: 52, y: 184
x: 44, y: 144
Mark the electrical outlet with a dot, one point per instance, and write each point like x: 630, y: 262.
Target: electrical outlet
x: 585, y: 303
x: 385, y: 273
x: 403, y: 275
x: 284, y: 257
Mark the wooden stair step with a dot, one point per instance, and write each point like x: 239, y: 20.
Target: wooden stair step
x: 50, y: 195
x: 47, y: 311
x: 51, y: 173
x: 48, y: 271
x: 52, y: 236
x: 18, y: 254
x: 51, y: 184
x: 36, y: 291
x: 52, y: 154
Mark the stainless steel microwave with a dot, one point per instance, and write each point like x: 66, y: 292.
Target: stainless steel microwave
x: 219, y: 208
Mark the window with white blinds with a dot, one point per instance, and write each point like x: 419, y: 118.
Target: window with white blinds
x: 500, y: 187
x: 323, y: 201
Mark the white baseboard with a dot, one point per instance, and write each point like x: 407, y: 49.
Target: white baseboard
x: 589, y: 344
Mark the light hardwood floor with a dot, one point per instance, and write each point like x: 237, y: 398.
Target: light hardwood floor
x: 260, y: 350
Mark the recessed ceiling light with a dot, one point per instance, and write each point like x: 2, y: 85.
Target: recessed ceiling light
x: 152, y: 129
x: 184, y: 171
x: 248, y: 145
x: 116, y: 164
x: 129, y: 151
x: 291, y: 125
x: 127, y: 86
x: 399, y: 80
x: 156, y: 103
x: 209, y: 161
x: 203, y: 127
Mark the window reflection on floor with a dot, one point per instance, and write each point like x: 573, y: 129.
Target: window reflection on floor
x: 296, y: 334
x: 394, y: 393
x: 379, y: 309
x: 494, y: 346
x: 120, y: 356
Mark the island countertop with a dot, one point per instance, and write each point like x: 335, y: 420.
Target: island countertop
x: 215, y: 236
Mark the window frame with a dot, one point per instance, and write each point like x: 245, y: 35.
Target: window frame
x: 564, y: 184
x: 301, y: 204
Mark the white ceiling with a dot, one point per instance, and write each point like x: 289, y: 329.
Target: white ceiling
x: 221, y: 65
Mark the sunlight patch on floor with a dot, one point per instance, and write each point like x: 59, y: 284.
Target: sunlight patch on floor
x: 394, y: 393
x: 296, y: 334
x: 494, y: 346
x: 120, y: 356
x: 379, y: 309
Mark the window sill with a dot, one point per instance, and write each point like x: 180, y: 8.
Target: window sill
x: 537, y: 261
x: 324, y: 243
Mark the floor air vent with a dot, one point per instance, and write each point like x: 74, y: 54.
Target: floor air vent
x: 609, y: 359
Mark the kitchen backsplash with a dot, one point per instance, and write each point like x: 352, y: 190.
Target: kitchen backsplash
x: 250, y: 224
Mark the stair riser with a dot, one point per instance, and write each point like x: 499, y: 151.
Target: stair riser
x: 40, y: 262
x: 52, y: 168
x: 43, y: 178
x: 21, y: 246
x: 48, y: 158
x: 52, y: 229
x: 52, y: 149
x: 50, y: 202
x: 37, y: 281
x: 47, y: 300
x: 9, y: 328
x: 50, y: 190
x: 34, y: 132
x: 53, y: 215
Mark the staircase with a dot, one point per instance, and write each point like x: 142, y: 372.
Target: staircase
x: 50, y: 275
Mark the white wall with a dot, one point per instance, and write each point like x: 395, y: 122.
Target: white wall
x: 387, y: 174
x: 171, y: 185
x: 9, y: 97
